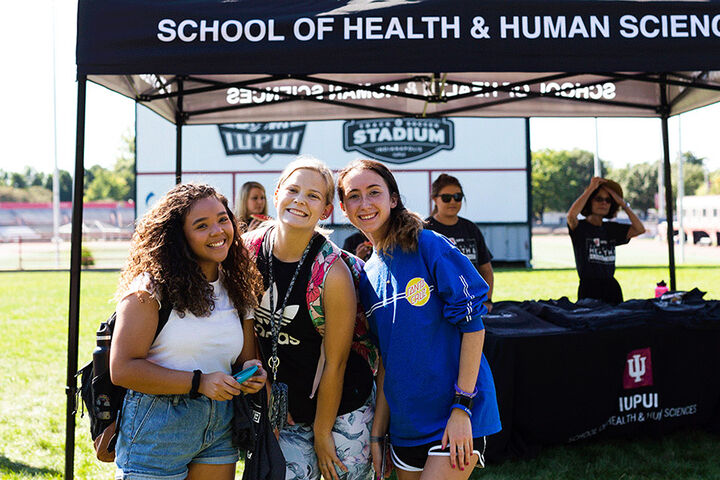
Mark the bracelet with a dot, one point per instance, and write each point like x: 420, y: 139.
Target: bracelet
x: 194, y: 393
x: 376, y: 439
x: 462, y: 392
x: 463, y: 408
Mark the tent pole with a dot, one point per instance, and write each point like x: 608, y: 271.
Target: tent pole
x: 664, y: 114
x: 75, y: 257
x: 178, y: 133
x: 528, y: 176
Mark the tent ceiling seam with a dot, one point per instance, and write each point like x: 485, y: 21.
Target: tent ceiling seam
x: 551, y: 97
x: 310, y: 99
x: 216, y: 86
x: 666, y: 81
x: 687, y: 91
x: 442, y: 98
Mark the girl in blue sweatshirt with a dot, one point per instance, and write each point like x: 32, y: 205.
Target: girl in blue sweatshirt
x: 424, y: 301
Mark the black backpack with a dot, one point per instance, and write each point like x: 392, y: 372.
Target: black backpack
x: 98, y: 392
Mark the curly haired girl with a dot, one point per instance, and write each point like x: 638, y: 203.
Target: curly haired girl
x: 186, y: 251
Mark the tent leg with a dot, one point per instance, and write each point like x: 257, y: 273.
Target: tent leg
x: 75, y: 257
x: 668, y: 199
x: 528, y: 176
x: 178, y: 153
x: 179, y: 120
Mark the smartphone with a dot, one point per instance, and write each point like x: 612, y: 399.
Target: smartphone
x: 245, y: 374
x: 258, y: 216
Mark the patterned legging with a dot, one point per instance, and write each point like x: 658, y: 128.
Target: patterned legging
x: 351, y: 433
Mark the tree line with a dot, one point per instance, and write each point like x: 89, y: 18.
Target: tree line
x: 560, y: 176
x: 101, y: 184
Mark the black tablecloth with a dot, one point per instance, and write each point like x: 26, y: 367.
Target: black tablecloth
x: 565, y: 372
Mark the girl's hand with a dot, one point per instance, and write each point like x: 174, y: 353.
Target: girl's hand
x: 218, y: 386
x: 595, y: 182
x: 377, y: 454
x: 255, y: 383
x: 618, y: 199
x: 458, y: 435
x: 364, y: 250
x: 327, y: 456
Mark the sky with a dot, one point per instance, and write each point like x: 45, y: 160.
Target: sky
x: 26, y: 123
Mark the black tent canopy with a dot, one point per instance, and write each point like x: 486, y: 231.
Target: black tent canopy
x: 219, y: 61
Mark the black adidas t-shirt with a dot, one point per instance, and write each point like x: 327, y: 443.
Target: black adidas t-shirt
x: 594, y: 248
x: 299, y: 342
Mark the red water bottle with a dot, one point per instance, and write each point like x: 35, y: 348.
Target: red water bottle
x: 660, y: 289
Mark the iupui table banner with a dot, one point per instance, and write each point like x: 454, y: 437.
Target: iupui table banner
x: 642, y: 367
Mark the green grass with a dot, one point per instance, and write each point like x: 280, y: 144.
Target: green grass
x: 636, y: 282
x: 33, y: 339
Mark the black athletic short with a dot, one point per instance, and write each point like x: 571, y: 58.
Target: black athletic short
x: 412, y: 459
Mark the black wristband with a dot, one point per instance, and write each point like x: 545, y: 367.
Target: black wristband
x: 463, y: 400
x: 195, y: 384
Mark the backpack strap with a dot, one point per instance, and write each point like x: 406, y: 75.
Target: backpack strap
x: 328, y: 255
x: 163, y: 317
x: 253, y: 240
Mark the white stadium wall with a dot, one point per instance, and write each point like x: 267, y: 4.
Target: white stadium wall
x: 488, y: 156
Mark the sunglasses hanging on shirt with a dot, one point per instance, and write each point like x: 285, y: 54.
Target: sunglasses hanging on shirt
x: 446, y: 197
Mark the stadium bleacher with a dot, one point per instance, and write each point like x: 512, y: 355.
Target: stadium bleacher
x: 34, y: 221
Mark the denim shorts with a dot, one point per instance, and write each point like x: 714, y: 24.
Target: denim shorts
x: 160, y: 435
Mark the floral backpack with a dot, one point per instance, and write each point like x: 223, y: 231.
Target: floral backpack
x: 329, y: 253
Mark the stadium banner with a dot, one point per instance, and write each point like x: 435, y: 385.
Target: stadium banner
x: 488, y: 156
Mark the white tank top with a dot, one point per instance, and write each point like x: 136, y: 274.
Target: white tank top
x: 210, y: 344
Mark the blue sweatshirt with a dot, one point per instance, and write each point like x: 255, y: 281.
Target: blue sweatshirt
x: 419, y: 304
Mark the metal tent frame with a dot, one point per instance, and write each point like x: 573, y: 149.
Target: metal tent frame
x: 677, y: 73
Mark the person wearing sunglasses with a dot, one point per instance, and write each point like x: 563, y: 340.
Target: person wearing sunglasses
x: 594, y: 239
x: 447, y: 195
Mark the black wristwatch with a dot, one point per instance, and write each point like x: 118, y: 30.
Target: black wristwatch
x: 194, y: 393
x: 463, y: 400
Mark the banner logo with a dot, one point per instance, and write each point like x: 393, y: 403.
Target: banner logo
x: 638, y: 369
x: 417, y: 292
x: 262, y: 140
x: 399, y: 140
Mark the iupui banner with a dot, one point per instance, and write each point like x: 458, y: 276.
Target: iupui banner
x: 327, y: 36
x: 261, y: 140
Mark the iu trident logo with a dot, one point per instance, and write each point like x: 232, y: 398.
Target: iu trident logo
x: 638, y: 369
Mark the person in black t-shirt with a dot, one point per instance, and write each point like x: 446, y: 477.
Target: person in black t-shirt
x: 594, y: 240
x: 447, y: 195
x: 358, y: 245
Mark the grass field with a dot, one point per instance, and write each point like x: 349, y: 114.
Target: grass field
x: 33, y: 322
